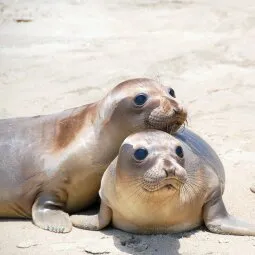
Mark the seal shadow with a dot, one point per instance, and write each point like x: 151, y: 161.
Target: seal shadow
x: 144, y: 244
x: 163, y: 244
x: 15, y: 220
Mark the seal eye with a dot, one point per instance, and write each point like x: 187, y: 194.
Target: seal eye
x: 179, y: 151
x: 171, y: 92
x: 140, y: 154
x: 140, y: 99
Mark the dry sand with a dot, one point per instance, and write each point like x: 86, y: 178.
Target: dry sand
x: 71, y: 52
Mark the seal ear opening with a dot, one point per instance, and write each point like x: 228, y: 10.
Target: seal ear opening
x: 126, y: 148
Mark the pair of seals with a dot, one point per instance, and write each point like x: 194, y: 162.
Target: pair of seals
x: 163, y: 184
x: 52, y: 165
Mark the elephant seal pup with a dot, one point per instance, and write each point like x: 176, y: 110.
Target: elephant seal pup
x: 164, y: 184
x: 52, y: 165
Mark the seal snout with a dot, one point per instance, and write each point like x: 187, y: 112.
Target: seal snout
x: 174, y: 173
x: 168, y: 116
x: 168, y: 175
x: 176, y: 113
x: 180, y: 115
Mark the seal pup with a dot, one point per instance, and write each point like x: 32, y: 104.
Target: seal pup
x: 52, y: 165
x: 159, y: 183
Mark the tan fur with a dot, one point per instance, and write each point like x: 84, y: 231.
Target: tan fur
x: 68, y: 128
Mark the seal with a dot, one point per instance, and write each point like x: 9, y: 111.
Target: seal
x: 52, y: 165
x: 253, y: 188
x: 160, y: 183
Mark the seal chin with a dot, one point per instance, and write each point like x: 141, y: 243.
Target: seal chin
x: 176, y: 122
x: 174, y: 127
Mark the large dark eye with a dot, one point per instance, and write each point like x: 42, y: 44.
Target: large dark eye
x: 140, y: 99
x: 171, y: 92
x: 141, y: 154
x: 179, y: 151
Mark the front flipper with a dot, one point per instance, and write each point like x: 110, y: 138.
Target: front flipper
x: 47, y: 214
x: 218, y: 220
x: 93, y: 222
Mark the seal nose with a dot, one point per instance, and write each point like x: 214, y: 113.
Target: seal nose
x: 170, y: 171
x: 171, y: 104
x: 167, y: 172
x: 179, y: 110
x: 180, y: 114
x: 174, y: 170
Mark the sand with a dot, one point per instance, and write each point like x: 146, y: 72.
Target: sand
x: 60, y: 54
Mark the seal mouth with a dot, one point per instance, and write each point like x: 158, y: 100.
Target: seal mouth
x: 175, y: 124
x: 169, y: 124
x: 169, y: 184
x: 173, y: 183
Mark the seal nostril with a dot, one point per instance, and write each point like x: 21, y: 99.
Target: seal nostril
x: 175, y: 111
x: 172, y: 171
x: 165, y: 172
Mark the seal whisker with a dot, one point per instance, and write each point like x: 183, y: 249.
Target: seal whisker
x: 136, y: 180
x: 135, y: 190
x: 133, y: 194
x: 195, y: 181
x: 182, y: 128
x: 195, y: 188
x: 189, y: 192
x: 161, y: 202
x: 183, y: 195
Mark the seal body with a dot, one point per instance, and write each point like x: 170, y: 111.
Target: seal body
x: 52, y: 165
x: 164, y: 184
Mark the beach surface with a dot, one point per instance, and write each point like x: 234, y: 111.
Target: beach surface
x: 56, y: 55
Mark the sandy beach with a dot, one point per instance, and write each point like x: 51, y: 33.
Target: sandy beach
x: 56, y: 55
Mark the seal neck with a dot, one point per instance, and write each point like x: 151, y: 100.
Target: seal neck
x: 107, y: 132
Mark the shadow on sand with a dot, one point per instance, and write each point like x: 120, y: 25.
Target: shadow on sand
x: 167, y: 244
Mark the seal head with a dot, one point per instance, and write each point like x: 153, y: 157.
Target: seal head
x: 143, y: 104
x: 154, y: 166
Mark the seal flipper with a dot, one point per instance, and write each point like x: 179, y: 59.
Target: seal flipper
x: 47, y: 214
x: 218, y: 220
x: 93, y: 222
